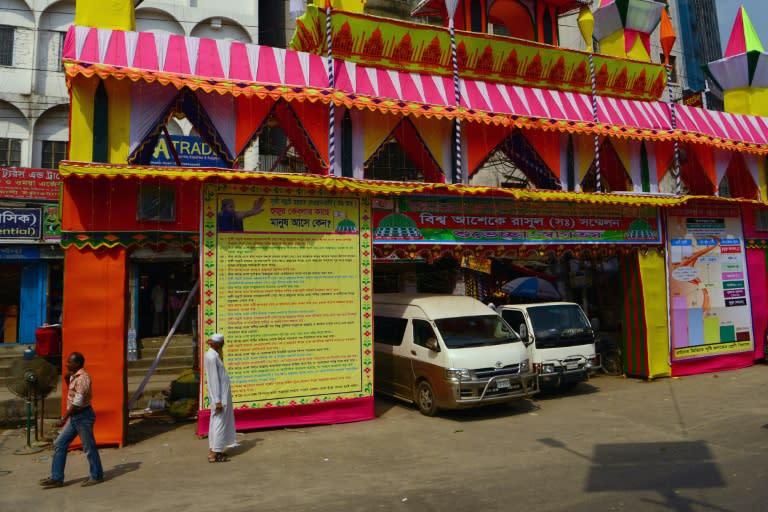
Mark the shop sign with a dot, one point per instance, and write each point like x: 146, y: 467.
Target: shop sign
x: 708, y: 286
x: 26, y: 183
x: 20, y: 223
x: 192, y: 152
x: 19, y: 252
x: 501, y: 221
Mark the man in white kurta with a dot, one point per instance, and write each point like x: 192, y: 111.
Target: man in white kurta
x: 221, y: 432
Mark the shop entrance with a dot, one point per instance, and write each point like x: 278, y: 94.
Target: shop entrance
x: 159, y: 291
x: 10, y: 297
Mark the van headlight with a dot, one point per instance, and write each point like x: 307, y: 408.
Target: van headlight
x: 457, y: 374
x: 525, y: 366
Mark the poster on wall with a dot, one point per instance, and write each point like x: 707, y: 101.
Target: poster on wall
x: 287, y: 280
x: 503, y: 221
x: 708, y: 286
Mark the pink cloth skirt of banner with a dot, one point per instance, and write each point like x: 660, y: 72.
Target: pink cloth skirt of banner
x: 321, y: 413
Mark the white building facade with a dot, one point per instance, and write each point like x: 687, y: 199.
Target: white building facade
x: 34, y: 125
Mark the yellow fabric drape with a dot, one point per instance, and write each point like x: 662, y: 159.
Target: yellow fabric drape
x: 114, y: 14
x: 81, y: 118
x: 654, y: 280
x: 119, y: 126
x: 435, y: 133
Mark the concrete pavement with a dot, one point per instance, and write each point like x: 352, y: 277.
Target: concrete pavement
x: 693, y: 444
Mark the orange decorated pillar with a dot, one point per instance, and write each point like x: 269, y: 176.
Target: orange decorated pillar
x: 94, y: 316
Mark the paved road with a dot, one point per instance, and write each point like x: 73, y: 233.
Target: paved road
x: 693, y: 444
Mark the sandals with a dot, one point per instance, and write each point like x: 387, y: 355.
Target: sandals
x: 218, y: 457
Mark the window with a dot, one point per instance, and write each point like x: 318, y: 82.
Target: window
x: 6, y: 45
x: 62, y: 37
x: 673, y: 63
x: 388, y: 330
x: 10, y: 151
x: 761, y: 220
x: 54, y: 151
x: 156, y: 202
x: 422, y: 331
x: 514, y: 318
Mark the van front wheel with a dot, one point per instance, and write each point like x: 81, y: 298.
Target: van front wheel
x: 425, y: 399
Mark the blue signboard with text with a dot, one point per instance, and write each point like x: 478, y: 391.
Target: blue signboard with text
x: 20, y: 223
x: 192, y: 152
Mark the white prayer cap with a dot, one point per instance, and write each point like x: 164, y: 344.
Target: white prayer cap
x: 217, y: 338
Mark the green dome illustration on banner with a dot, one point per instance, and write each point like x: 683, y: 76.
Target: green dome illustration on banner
x: 398, y: 226
x: 346, y: 226
x: 640, y: 230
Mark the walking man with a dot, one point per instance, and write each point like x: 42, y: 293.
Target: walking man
x: 221, y: 431
x: 78, y: 420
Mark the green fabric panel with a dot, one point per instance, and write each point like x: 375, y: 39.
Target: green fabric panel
x: 346, y: 146
x: 547, y: 21
x: 645, y: 171
x: 751, y: 39
x: 570, y: 169
x: 100, y: 125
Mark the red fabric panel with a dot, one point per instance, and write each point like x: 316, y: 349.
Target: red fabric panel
x: 295, y: 132
x: 664, y: 153
x: 705, y: 156
x: 94, y: 324
x: 314, y: 120
x: 482, y: 140
x: 740, y: 181
x: 104, y: 204
x: 250, y: 115
x: 547, y: 145
x: 321, y: 413
x: 415, y: 149
x: 758, y: 297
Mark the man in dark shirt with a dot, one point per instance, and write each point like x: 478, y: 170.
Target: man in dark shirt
x: 229, y: 219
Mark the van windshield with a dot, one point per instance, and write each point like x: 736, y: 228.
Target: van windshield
x: 475, y: 331
x: 560, y: 325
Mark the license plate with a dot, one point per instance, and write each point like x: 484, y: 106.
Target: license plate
x: 571, y: 366
x: 502, y: 383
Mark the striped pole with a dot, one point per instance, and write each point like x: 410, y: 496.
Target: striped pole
x: 331, y: 86
x: 596, y: 119
x: 676, y: 143
x: 458, y: 175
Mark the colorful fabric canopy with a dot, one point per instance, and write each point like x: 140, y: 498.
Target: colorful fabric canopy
x: 237, y: 68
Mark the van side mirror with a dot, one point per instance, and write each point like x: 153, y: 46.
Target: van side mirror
x: 524, y: 335
x: 432, y: 344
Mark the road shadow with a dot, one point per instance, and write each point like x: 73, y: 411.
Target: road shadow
x: 667, y: 468
x: 121, y: 469
x: 244, y: 446
x: 581, y: 389
x: 489, y: 412
x: 383, y: 403
x: 142, y: 429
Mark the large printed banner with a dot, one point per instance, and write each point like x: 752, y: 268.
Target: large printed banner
x: 489, y: 221
x: 708, y: 286
x: 287, y: 280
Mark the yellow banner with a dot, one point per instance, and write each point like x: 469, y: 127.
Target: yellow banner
x: 287, y: 280
x: 712, y: 349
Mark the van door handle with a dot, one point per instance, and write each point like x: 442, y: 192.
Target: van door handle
x: 413, y: 352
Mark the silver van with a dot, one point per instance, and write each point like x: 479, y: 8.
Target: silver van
x: 447, y: 352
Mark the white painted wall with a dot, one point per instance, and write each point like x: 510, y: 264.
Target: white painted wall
x: 33, y: 92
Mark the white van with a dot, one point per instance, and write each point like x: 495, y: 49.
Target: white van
x: 447, y: 352
x: 561, y: 340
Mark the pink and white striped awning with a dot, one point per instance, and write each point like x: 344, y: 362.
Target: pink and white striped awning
x: 239, y: 65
